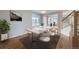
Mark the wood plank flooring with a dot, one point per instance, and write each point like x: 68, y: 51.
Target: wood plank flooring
x: 13, y: 43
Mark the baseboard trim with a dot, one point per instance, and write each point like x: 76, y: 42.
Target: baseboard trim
x: 19, y: 36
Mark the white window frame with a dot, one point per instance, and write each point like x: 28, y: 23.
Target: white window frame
x: 36, y: 20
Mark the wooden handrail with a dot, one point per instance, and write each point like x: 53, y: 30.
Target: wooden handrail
x: 68, y: 15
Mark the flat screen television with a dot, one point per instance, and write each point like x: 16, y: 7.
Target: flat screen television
x: 14, y: 16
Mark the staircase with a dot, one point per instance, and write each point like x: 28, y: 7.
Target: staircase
x: 72, y: 39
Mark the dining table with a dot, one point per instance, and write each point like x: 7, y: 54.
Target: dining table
x: 45, y: 41
x: 39, y: 30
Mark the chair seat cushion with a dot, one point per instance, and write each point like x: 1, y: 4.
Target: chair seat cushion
x: 45, y: 39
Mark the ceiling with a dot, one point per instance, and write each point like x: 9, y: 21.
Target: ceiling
x: 46, y: 11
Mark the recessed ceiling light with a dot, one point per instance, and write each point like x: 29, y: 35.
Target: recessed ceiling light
x: 43, y: 11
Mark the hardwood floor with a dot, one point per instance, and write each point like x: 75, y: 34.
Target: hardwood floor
x: 16, y: 43
x: 13, y: 43
x: 64, y: 42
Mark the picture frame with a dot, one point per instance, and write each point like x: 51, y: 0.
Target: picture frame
x: 15, y: 15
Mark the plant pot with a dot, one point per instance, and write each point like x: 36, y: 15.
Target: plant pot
x: 4, y: 37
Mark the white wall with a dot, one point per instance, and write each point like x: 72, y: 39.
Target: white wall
x: 4, y: 14
x: 17, y: 27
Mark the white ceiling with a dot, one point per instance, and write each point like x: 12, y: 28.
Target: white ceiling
x: 47, y: 11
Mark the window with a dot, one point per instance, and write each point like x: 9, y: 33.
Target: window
x: 49, y: 21
x: 35, y: 20
x: 52, y: 19
x: 67, y: 25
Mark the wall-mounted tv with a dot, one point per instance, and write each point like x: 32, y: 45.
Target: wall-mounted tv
x: 15, y: 16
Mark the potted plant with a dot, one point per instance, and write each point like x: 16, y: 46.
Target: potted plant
x: 50, y: 24
x: 42, y: 24
x: 4, y: 28
x: 54, y: 24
